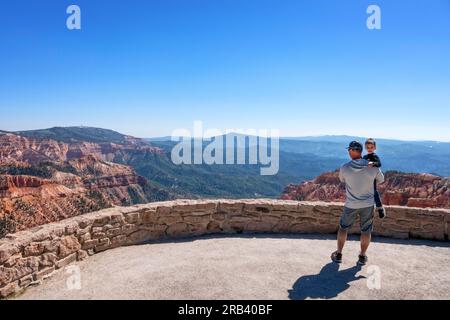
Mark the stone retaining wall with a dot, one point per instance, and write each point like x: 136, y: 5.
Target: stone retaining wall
x: 30, y: 256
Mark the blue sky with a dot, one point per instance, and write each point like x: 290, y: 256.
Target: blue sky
x: 304, y: 67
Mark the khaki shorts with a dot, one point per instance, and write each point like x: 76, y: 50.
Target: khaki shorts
x: 365, y: 219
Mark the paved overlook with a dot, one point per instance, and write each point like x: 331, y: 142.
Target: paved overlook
x: 211, y: 249
x: 258, y: 267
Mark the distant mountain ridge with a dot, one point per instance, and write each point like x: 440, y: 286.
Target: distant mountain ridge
x: 79, y: 134
x: 406, y: 156
x: 347, y: 138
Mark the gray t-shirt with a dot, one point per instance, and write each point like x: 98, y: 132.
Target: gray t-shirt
x: 359, y: 178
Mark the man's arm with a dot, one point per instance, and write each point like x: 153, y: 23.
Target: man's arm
x: 380, y: 177
x: 341, y: 174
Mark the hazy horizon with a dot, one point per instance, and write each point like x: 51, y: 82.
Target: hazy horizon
x: 281, y: 136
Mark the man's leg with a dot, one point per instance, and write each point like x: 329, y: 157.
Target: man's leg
x: 336, y: 256
x: 346, y: 221
x: 365, y: 242
x: 341, y: 238
x: 366, y: 219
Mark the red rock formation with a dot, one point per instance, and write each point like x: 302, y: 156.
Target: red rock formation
x: 405, y: 189
x: 46, y: 180
x: 8, y: 182
x: 32, y: 201
x: 17, y: 149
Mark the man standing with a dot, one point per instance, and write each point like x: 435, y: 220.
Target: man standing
x: 358, y: 178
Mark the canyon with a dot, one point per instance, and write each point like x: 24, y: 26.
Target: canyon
x: 44, y: 180
x: 52, y: 174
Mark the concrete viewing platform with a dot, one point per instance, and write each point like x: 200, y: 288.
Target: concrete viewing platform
x: 256, y: 267
x: 257, y: 249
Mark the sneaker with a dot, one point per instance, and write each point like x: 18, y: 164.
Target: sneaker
x: 381, y: 213
x: 336, y: 257
x: 362, y: 260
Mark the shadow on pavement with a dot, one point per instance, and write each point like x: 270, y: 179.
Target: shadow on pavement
x: 327, y: 284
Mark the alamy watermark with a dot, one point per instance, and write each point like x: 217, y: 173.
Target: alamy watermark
x: 73, y: 21
x: 374, y: 279
x: 73, y: 281
x: 373, y: 22
x: 234, y: 146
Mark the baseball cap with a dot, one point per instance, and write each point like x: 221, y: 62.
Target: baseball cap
x: 355, y: 145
